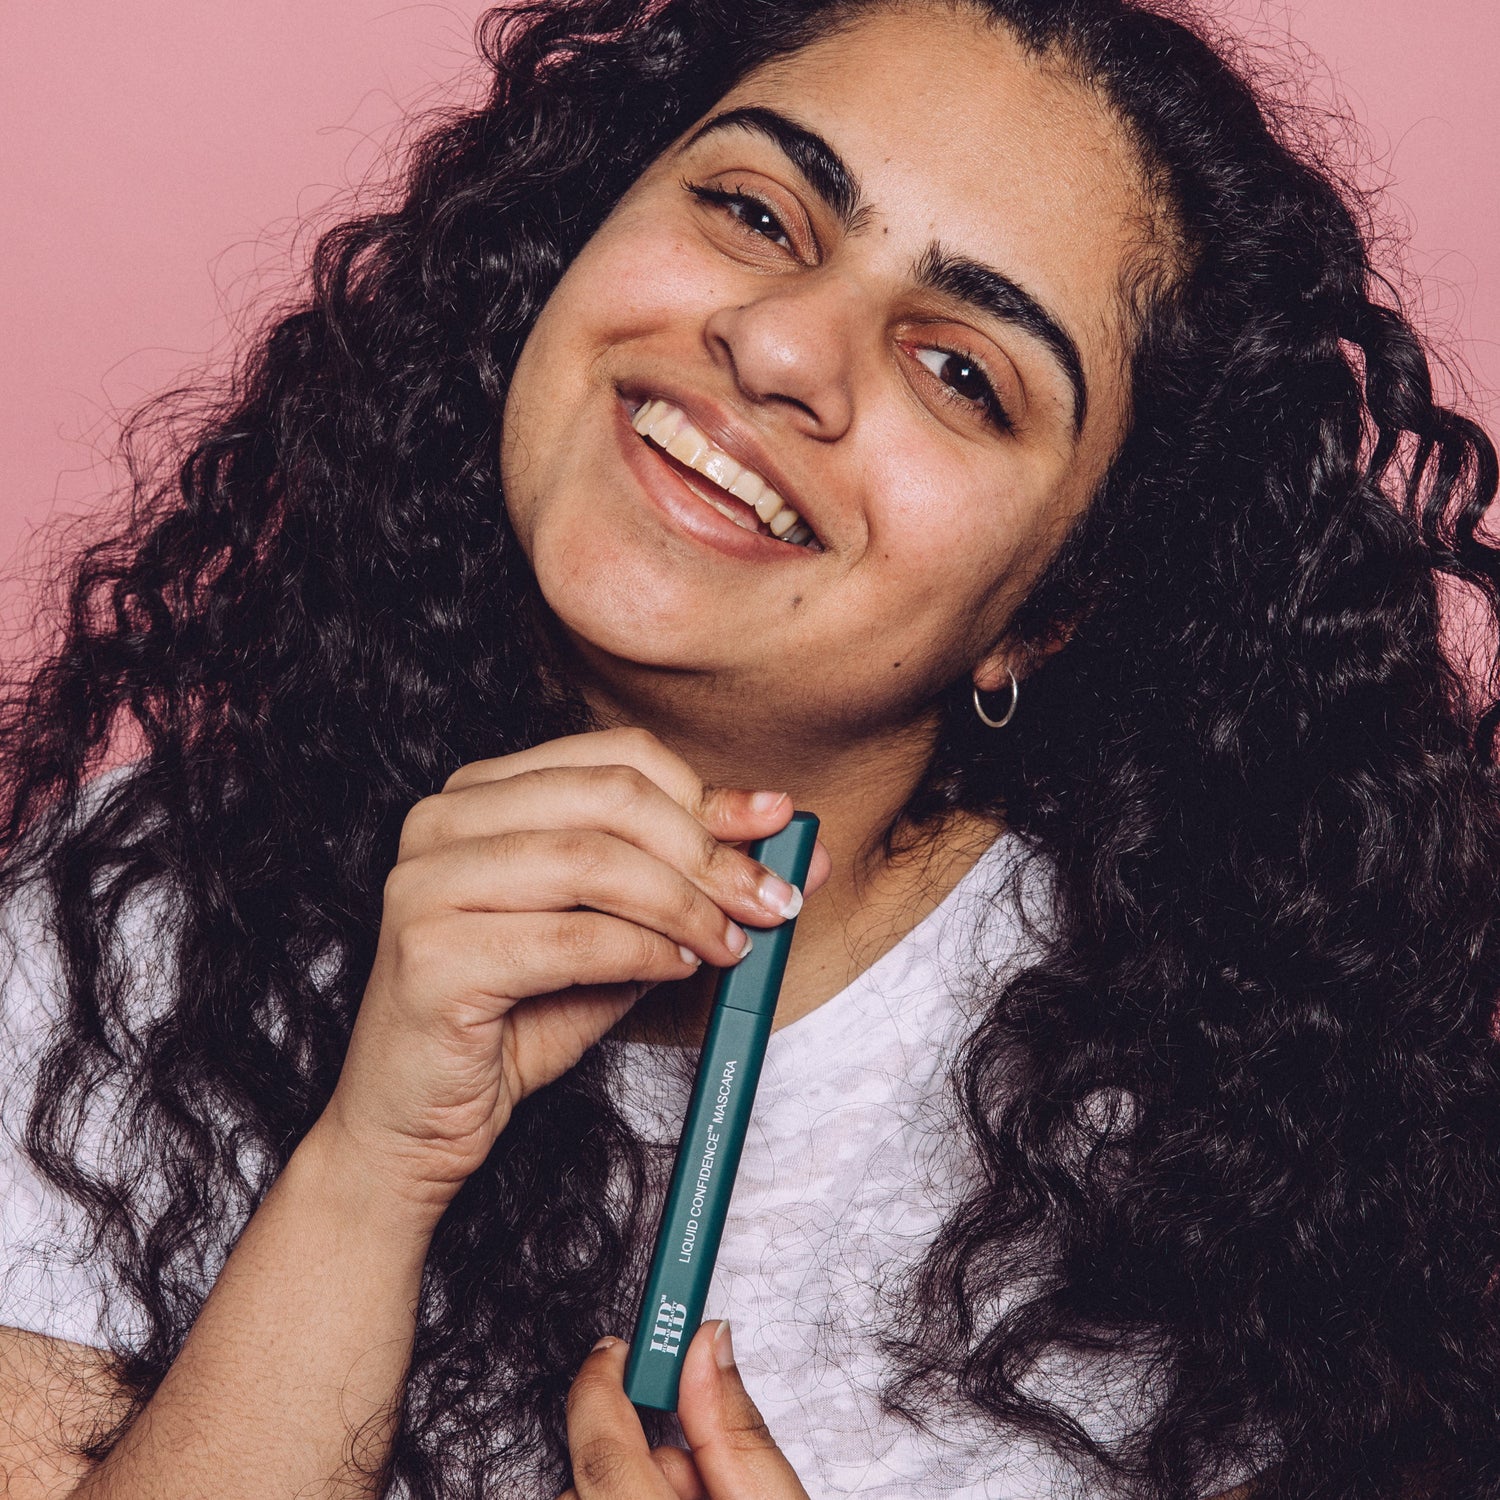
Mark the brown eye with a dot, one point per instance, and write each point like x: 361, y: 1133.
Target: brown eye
x: 749, y: 210
x: 965, y: 377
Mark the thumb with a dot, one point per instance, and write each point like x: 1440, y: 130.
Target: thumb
x: 732, y: 1446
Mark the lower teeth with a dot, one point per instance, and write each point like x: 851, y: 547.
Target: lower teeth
x: 724, y: 511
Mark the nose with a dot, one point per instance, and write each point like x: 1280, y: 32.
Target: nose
x: 793, y: 347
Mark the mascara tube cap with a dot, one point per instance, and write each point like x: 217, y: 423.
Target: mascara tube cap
x: 754, y: 983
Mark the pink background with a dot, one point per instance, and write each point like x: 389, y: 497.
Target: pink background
x: 157, y: 158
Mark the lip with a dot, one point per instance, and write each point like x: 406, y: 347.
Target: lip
x: 672, y: 496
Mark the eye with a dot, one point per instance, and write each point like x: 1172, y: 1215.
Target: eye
x: 756, y: 215
x: 964, y: 376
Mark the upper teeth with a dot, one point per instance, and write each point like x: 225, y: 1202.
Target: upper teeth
x: 669, y: 428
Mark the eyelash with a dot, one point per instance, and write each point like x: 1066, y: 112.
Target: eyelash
x: 729, y: 201
x: 989, y: 402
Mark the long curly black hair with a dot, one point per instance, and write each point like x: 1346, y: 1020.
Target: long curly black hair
x: 1264, y: 796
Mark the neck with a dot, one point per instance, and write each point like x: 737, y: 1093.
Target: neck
x: 885, y: 877
x: 857, y: 777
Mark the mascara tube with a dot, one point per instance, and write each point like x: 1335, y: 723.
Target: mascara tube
x: 713, y: 1134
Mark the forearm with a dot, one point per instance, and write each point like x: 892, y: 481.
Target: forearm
x: 292, y: 1376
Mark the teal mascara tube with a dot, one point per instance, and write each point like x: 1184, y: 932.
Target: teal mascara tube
x: 713, y: 1134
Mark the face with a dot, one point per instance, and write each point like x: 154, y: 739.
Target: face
x: 814, y: 407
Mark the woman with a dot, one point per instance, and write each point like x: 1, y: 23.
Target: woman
x: 752, y: 406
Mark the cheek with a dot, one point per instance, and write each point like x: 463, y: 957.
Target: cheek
x: 965, y: 517
x: 954, y: 545
x: 659, y: 280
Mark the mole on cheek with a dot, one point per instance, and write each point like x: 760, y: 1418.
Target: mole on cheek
x: 796, y: 601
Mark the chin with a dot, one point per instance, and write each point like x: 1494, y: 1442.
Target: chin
x: 631, y: 612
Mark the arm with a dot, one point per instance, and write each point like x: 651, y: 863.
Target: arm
x: 296, y: 1365
x: 294, y: 1368
x: 55, y: 1397
x: 533, y: 901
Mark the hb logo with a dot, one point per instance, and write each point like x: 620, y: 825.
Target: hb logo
x: 666, y: 1335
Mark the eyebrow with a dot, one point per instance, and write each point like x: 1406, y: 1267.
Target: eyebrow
x: 980, y: 287
x: 812, y: 156
x: 996, y: 295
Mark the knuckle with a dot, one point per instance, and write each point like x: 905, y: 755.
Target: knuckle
x: 680, y: 1471
x: 420, y: 825
x: 688, y: 907
x: 599, y: 1464
x: 617, y: 786
x: 465, y: 775
x: 632, y: 738
x: 507, y: 955
x: 578, y: 939
x: 502, y: 848
x: 419, y: 944
x: 729, y: 869
x: 401, y: 886
x: 653, y: 952
x: 581, y: 853
x: 747, y: 1431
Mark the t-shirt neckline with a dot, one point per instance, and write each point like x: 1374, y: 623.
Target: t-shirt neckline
x: 807, y: 1035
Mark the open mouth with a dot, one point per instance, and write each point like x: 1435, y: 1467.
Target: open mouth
x: 730, y: 487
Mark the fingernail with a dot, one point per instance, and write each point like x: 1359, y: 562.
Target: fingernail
x: 778, y: 896
x: 688, y: 956
x: 764, y: 802
x: 724, y: 1346
x: 607, y: 1342
x: 736, y: 939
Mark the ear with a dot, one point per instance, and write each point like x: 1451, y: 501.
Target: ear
x: 992, y: 671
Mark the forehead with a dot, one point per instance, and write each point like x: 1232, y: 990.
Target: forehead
x: 959, y: 136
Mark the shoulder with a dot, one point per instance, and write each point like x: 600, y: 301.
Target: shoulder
x: 56, y: 1400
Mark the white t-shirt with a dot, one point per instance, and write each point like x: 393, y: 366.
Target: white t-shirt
x: 852, y: 1158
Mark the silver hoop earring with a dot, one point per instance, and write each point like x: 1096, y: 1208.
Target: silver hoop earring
x: 1015, y: 694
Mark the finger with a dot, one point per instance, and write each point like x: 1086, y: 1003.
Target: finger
x: 819, y: 869
x: 616, y: 799
x: 729, y: 813
x: 562, y: 870
x: 681, y: 1473
x: 610, y: 1455
x: 550, y: 1033
x: 487, y: 961
x: 732, y: 1447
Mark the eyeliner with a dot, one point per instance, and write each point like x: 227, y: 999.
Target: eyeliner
x: 713, y: 1135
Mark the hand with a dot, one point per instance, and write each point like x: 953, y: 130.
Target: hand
x: 733, y: 1455
x: 533, y: 901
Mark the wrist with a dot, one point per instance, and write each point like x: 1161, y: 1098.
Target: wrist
x: 368, y: 1186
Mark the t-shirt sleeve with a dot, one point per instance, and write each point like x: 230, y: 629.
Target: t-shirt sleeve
x: 49, y: 1283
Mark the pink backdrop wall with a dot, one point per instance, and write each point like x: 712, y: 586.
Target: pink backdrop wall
x: 156, y: 157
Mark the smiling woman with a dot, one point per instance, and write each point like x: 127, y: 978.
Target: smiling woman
x: 732, y: 406
x: 882, y: 339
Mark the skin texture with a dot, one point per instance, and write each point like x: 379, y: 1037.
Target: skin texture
x: 540, y: 895
x: 732, y: 1452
